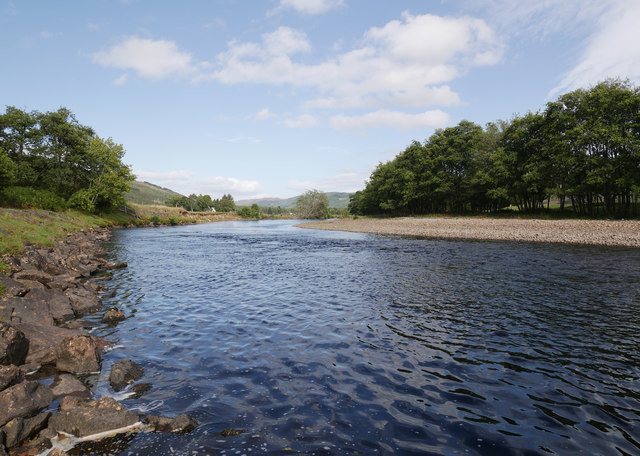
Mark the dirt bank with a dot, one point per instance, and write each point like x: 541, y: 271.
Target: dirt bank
x: 593, y: 232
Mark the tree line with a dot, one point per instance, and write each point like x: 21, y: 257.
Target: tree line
x: 52, y: 161
x: 583, y: 148
x: 203, y: 203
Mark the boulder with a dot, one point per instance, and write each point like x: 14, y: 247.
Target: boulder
x: 113, y: 265
x: 113, y: 316
x: 34, y: 275
x: 78, y: 355
x: 68, y: 385
x: 141, y: 388
x: 9, y: 375
x: 181, y: 424
x: 124, y: 372
x: 86, y: 418
x: 23, y: 400
x: 44, y: 340
x: 83, y: 300
x: 12, y: 287
x: 27, y: 310
x: 19, y: 430
x: 59, y: 304
x: 14, y: 346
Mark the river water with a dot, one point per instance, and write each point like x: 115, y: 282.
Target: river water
x: 329, y: 343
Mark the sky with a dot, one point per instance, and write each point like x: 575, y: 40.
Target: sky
x: 273, y: 98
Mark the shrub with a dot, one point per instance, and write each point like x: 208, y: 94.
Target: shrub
x: 31, y: 198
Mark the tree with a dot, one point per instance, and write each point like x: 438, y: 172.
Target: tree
x: 313, y: 204
x: 225, y: 204
x: 7, y: 170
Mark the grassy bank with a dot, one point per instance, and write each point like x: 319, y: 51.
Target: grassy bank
x: 22, y: 227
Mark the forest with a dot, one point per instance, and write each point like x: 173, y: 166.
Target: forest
x: 582, y: 149
x: 51, y: 161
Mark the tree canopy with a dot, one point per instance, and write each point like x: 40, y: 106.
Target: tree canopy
x: 584, y: 147
x: 312, y: 204
x: 53, y: 153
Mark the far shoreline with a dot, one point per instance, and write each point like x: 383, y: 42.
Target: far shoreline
x: 613, y: 233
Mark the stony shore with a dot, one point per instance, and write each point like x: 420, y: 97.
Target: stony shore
x: 48, y: 360
x: 589, y: 232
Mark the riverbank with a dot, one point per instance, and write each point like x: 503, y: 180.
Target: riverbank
x: 588, y: 232
x: 52, y: 279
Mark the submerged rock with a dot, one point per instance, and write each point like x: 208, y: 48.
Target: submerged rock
x: 113, y: 316
x: 78, y: 355
x: 14, y: 346
x: 124, y: 372
x: 181, y: 424
x: 23, y: 400
x: 84, y: 418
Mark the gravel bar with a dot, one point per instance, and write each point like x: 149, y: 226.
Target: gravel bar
x: 621, y: 233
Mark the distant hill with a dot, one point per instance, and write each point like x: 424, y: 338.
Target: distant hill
x: 337, y: 200
x: 146, y: 193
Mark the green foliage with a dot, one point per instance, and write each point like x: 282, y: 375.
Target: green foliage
x: 312, y: 204
x: 584, y: 146
x: 193, y: 202
x: 53, y: 152
x: 252, y: 212
x: 146, y: 193
x: 224, y: 204
x: 28, y: 197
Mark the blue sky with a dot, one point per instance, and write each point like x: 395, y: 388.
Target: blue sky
x: 275, y: 97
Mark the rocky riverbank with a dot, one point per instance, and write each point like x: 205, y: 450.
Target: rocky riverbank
x: 47, y: 358
x: 592, y: 232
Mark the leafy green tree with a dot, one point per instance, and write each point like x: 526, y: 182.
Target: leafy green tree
x: 250, y: 212
x: 7, y: 170
x: 312, y: 204
x: 225, y: 204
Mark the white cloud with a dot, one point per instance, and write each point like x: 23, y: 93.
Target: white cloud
x: 302, y: 121
x: 153, y: 59
x: 405, y: 63
x: 264, y: 114
x: 401, y: 120
x: 121, y: 80
x: 309, y: 7
x: 186, y: 183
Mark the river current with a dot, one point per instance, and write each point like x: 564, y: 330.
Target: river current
x: 330, y: 343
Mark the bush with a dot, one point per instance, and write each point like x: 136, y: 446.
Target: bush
x: 31, y: 198
x: 81, y: 200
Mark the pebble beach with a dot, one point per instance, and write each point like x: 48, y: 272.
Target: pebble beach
x: 621, y: 233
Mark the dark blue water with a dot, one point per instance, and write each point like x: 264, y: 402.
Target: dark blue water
x: 318, y: 342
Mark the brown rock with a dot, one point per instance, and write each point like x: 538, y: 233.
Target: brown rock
x: 13, y: 345
x: 180, y: 424
x: 92, y: 417
x: 19, y: 430
x: 124, y: 372
x: 44, y: 340
x: 33, y: 274
x: 23, y: 400
x: 68, y: 385
x: 83, y: 300
x: 58, y: 303
x: 27, y: 310
x: 9, y: 375
x: 78, y: 355
x: 12, y: 287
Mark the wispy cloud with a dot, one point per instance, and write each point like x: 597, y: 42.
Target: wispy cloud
x: 302, y: 121
x: 396, y: 119
x: 308, y: 7
x: 152, y: 59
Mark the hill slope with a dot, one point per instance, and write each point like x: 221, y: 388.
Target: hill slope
x: 146, y: 193
x: 337, y: 200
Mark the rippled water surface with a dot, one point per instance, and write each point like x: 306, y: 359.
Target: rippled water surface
x: 319, y: 342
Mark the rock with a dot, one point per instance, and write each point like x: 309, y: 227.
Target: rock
x: 35, y: 275
x: 113, y: 265
x: 230, y: 432
x: 44, y: 340
x: 9, y: 375
x: 57, y: 452
x: 113, y: 316
x: 92, y: 417
x: 181, y: 424
x: 69, y: 402
x: 68, y: 385
x: 59, y: 304
x: 140, y: 388
x: 14, y: 346
x: 26, y: 310
x: 19, y: 430
x: 124, y: 372
x: 83, y: 300
x: 31, y: 284
x: 78, y: 355
x: 33, y: 447
x: 23, y: 400
x: 12, y: 287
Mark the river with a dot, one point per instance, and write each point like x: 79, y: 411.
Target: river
x: 331, y: 343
